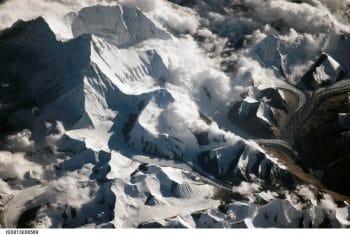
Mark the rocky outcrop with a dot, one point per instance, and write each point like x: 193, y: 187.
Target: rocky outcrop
x: 324, y: 72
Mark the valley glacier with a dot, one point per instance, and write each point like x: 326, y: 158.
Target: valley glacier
x: 178, y: 114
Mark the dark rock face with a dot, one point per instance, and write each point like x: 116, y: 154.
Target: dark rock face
x: 320, y: 136
x: 329, y: 149
x: 324, y: 72
x: 336, y: 176
x: 252, y: 115
x: 344, y: 121
x: 258, y: 165
x: 167, y: 224
x: 27, y: 217
x: 202, y: 138
x: 36, y: 70
x: 129, y: 124
x: 209, y: 164
x: 318, y: 132
x: 258, y: 116
x: 274, y: 99
x: 150, y: 225
x: 248, y: 109
x: 185, y: 3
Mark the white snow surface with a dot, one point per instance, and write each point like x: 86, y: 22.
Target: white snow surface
x: 122, y: 90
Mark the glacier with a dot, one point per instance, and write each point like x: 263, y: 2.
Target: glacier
x: 181, y: 114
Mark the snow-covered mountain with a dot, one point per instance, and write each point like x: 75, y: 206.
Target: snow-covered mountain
x: 173, y: 113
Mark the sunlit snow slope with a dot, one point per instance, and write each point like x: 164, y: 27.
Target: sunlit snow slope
x: 154, y: 113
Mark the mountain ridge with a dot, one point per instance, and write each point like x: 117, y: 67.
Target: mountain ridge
x: 137, y: 127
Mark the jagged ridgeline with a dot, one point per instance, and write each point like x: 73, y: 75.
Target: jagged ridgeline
x: 182, y: 114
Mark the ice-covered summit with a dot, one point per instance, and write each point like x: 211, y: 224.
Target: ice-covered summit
x: 164, y: 113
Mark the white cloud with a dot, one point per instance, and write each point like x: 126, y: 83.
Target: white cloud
x: 14, y: 165
x: 20, y: 142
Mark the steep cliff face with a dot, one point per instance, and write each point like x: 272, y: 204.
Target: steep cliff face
x: 144, y: 113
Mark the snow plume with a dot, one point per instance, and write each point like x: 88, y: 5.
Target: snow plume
x: 76, y: 187
x: 18, y: 171
x: 168, y: 98
x: 21, y: 152
x: 54, y: 132
x: 20, y: 142
x: 46, y: 136
x: 183, y: 20
x: 145, y: 5
x: 247, y: 189
x: 308, y: 15
x: 273, y: 35
x: 173, y: 17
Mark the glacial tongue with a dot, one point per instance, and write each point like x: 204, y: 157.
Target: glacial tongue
x: 120, y: 126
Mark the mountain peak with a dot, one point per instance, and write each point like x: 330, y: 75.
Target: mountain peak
x: 121, y: 26
x: 174, y: 114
